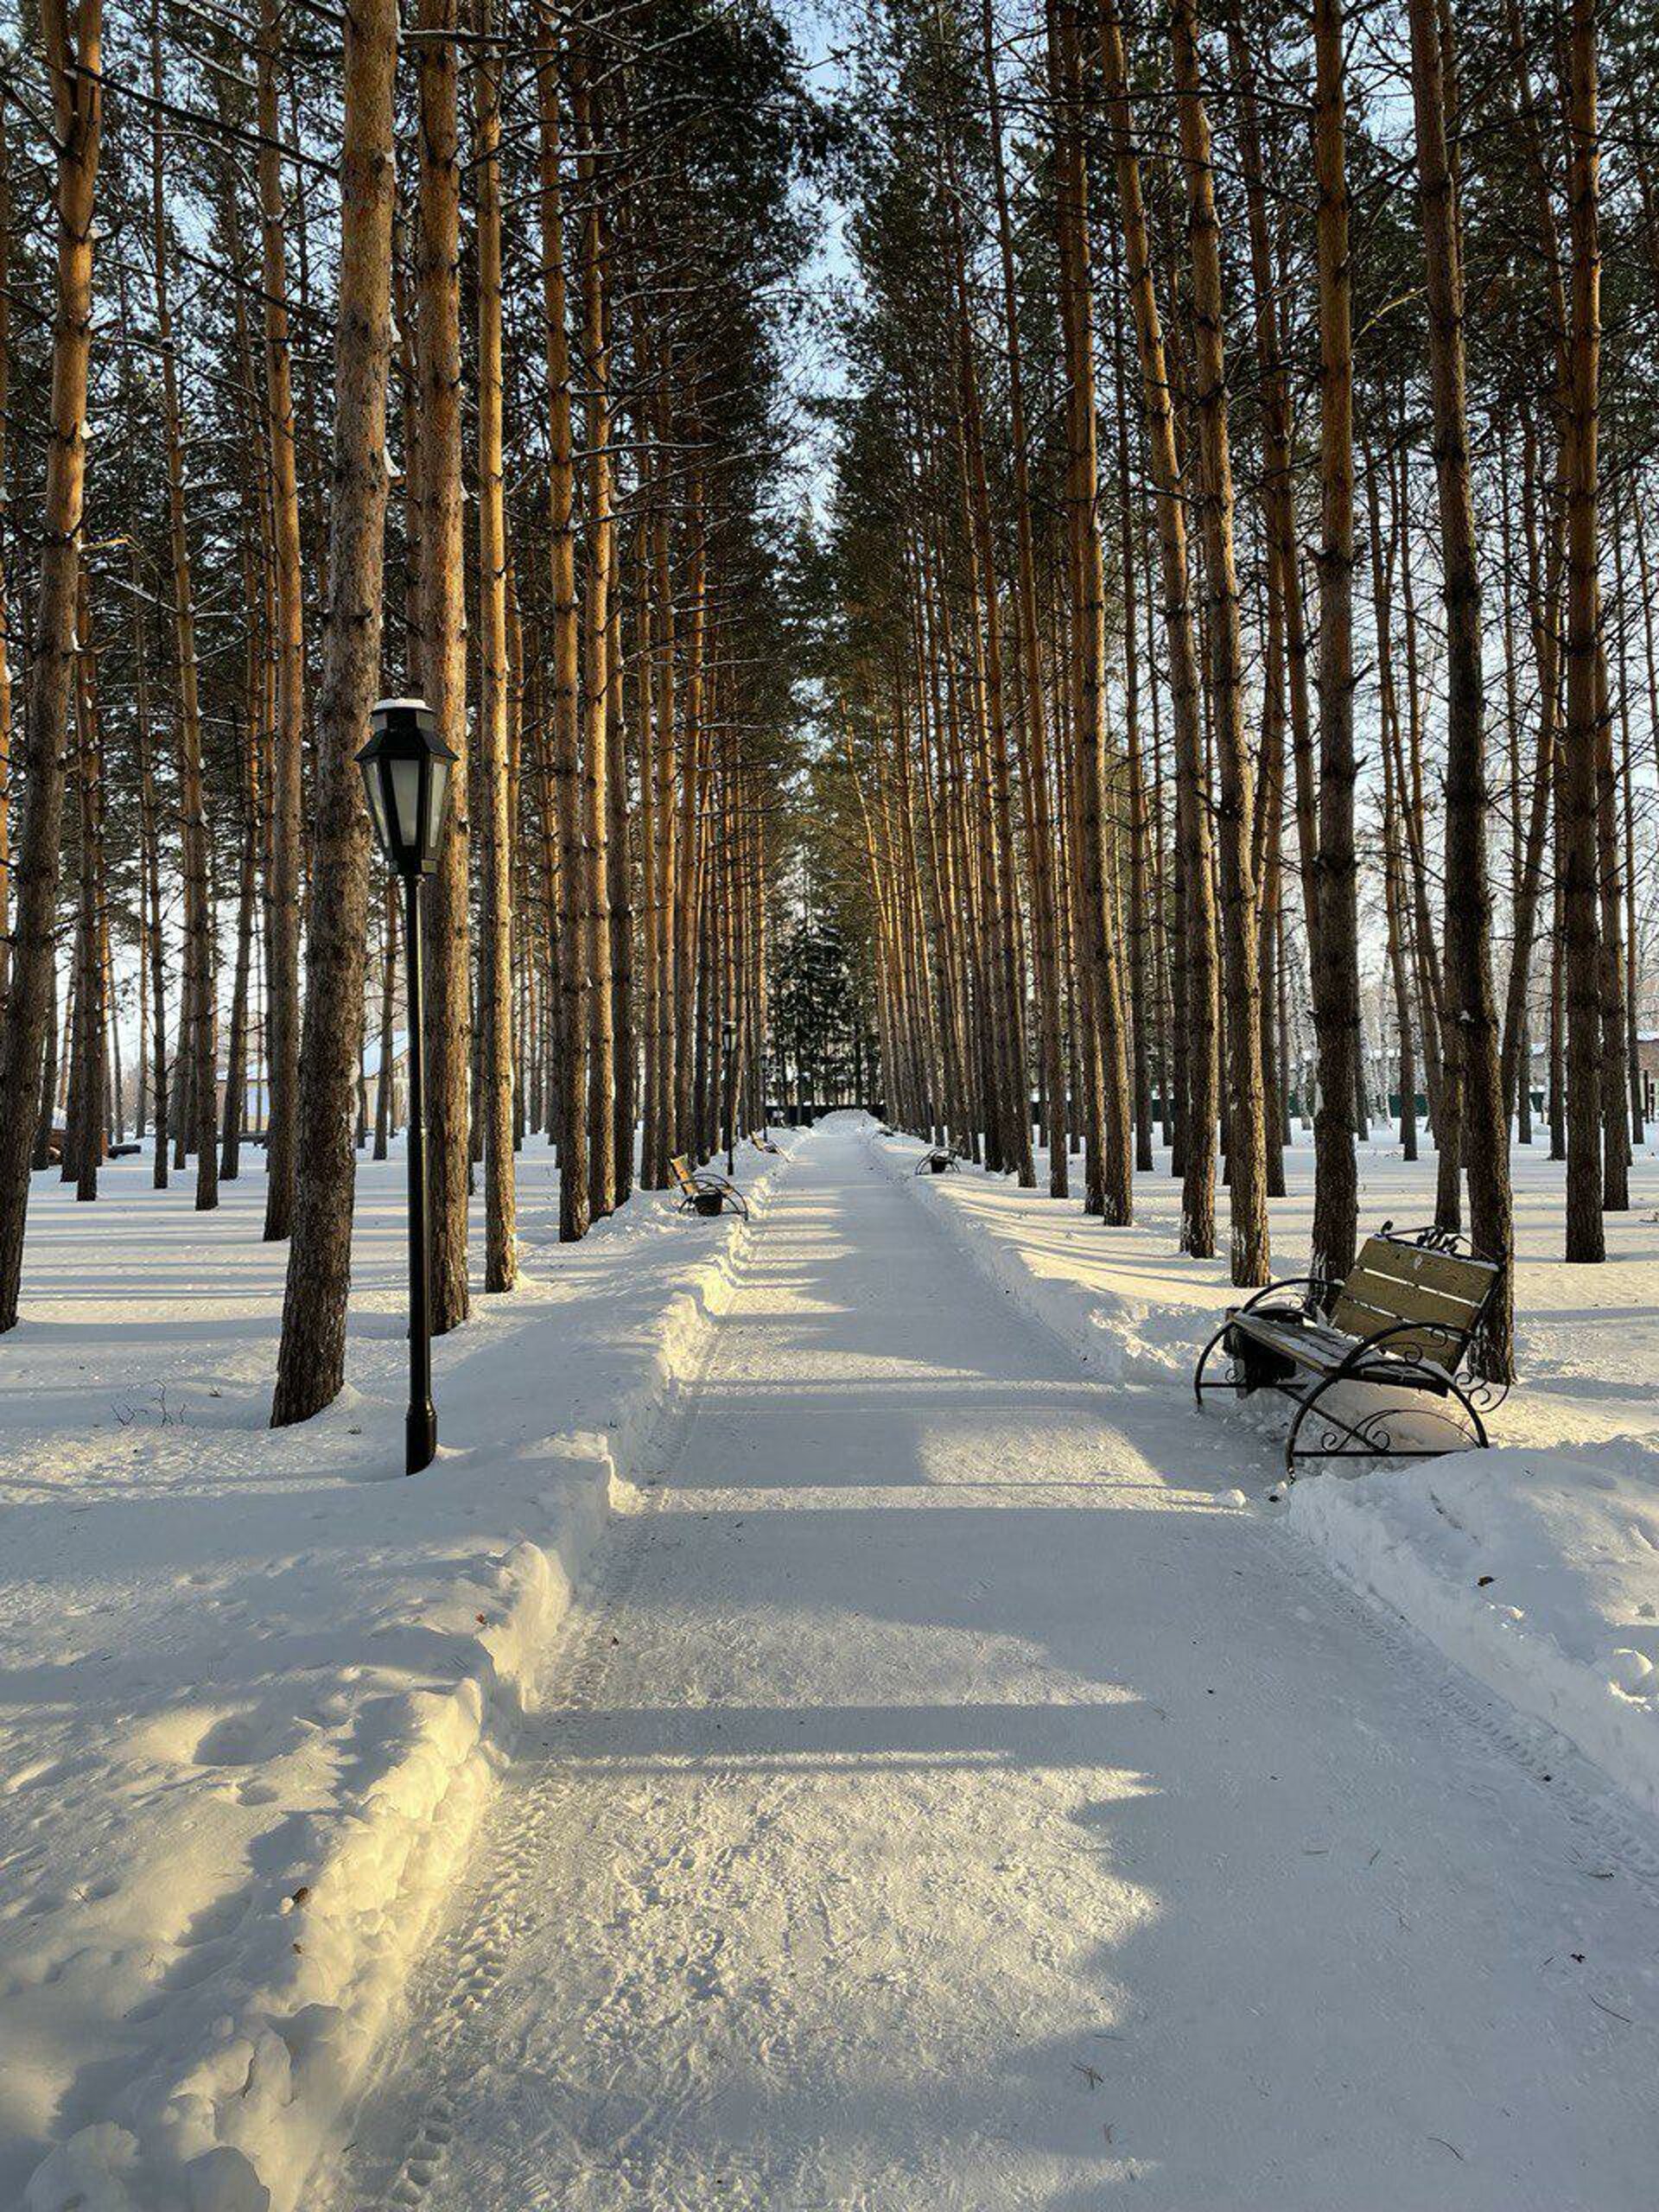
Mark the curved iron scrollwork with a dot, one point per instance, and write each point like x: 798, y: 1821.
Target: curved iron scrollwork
x: 1484, y: 1392
x: 1429, y: 1238
x: 1434, y: 1389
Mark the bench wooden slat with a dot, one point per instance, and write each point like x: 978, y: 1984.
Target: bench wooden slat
x: 1454, y: 1274
x: 1387, y: 1300
x: 1323, y: 1350
x: 1308, y: 1344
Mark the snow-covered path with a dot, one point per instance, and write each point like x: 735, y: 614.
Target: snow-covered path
x: 947, y: 1795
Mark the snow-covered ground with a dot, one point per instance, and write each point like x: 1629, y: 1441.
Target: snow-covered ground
x: 952, y: 1795
x: 959, y: 1786
x: 1534, y: 1564
x: 257, y: 1685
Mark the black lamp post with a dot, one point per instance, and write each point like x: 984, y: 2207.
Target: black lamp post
x: 406, y: 768
x: 728, y: 1039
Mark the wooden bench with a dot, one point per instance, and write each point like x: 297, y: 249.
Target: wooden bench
x: 1403, y: 1321
x: 703, y: 1192
x: 762, y: 1142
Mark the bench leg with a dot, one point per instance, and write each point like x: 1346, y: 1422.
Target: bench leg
x: 1235, y: 1382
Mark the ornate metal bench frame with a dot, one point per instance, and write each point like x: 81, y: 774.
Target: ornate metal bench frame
x: 702, y: 1191
x: 1269, y: 1361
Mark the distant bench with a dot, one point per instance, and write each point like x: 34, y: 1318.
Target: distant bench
x: 936, y: 1162
x: 1403, y: 1320
x: 702, y: 1191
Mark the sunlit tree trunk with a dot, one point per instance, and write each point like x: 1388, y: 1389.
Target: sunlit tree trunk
x: 444, y: 917
x: 1468, y: 903
x: 595, y: 661
x: 494, y: 1105
x: 311, y: 1359
x: 282, y: 1026
x: 1246, y: 1123
x: 572, y: 1049
x: 1197, y: 999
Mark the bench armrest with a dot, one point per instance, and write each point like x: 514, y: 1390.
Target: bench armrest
x: 1323, y: 1299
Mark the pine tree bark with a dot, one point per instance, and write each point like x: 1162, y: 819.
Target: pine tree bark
x: 200, y: 1131
x: 1197, y: 999
x: 73, y: 39
x: 572, y: 1048
x: 444, y: 915
x: 83, y: 1158
x: 1040, y: 839
x: 282, y: 1026
x: 1473, y: 1012
x: 595, y: 671
x: 1336, y: 970
x: 5, y: 651
x: 495, y: 1103
x: 311, y: 1358
x: 1246, y: 1125
x: 1576, y: 775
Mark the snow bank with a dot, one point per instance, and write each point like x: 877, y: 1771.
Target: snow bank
x: 1537, y: 1571
x: 301, y: 1680
x: 1534, y: 1565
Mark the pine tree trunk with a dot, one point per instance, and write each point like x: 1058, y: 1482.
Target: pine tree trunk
x: 1197, y: 1002
x: 5, y: 651
x: 72, y: 41
x: 495, y: 1100
x: 311, y: 1360
x: 444, y: 917
x: 1468, y: 904
x: 83, y: 1157
x: 200, y: 1131
x: 1336, y: 969
x: 595, y: 669
x: 1576, y: 776
x: 282, y: 1027
x: 1039, y: 837
x: 1247, y: 1125
x: 572, y: 1049
x: 383, y: 1087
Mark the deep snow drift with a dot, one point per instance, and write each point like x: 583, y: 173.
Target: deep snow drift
x: 257, y: 1684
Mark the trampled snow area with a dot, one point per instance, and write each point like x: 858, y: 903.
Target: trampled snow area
x: 257, y: 1685
x: 954, y: 1785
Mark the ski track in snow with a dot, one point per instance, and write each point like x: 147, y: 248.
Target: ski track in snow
x: 933, y: 1804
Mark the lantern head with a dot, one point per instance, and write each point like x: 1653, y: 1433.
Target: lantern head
x: 406, y: 767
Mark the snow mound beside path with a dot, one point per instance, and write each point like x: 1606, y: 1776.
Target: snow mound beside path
x: 1537, y: 1570
x: 234, y: 1866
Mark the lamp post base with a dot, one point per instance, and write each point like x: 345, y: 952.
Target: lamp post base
x: 421, y: 1439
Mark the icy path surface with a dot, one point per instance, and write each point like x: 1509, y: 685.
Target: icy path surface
x: 947, y: 1797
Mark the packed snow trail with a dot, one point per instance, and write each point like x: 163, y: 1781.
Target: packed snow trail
x: 946, y: 1796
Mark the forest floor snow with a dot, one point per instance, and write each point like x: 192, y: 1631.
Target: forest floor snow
x: 1533, y: 1564
x: 257, y: 1685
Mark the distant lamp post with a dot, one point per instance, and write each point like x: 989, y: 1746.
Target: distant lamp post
x: 728, y: 1039
x: 406, y: 768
